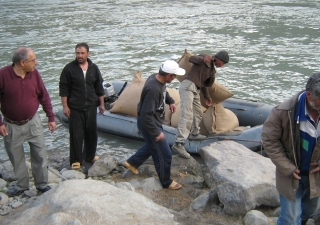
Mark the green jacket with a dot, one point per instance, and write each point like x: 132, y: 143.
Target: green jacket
x: 281, y: 141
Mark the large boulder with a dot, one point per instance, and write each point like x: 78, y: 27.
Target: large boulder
x: 243, y: 179
x: 93, y: 202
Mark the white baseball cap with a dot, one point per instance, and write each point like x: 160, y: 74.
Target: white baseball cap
x: 170, y: 66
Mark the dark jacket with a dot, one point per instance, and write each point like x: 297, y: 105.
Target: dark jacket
x: 82, y: 93
x: 151, y: 108
x: 202, y: 74
x: 281, y: 141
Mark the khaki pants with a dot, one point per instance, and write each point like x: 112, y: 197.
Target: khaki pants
x: 191, y: 110
x: 31, y: 132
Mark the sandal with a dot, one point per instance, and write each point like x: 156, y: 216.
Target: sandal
x: 75, y: 166
x: 95, y: 158
x: 132, y: 168
x: 174, y: 186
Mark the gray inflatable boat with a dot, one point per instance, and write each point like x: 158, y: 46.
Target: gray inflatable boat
x: 251, y: 115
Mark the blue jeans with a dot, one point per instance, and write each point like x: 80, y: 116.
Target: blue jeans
x: 160, y: 152
x: 302, y: 208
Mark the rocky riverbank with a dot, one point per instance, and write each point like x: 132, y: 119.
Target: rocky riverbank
x: 235, y: 187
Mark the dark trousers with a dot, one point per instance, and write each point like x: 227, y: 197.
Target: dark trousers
x: 160, y: 152
x: 83, y: 132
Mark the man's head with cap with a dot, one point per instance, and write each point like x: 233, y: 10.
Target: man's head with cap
x: 223, y: 58
x: 170, y: 69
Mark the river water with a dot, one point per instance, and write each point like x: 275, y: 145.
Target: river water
x: 274, y: 46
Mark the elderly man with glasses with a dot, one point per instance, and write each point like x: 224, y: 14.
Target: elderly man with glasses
x: 21, y: 92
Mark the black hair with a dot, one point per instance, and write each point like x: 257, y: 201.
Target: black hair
x: 162, y: 73
x: 83, y: 44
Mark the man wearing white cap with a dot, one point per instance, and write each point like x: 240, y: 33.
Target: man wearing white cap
x: 150, y: 118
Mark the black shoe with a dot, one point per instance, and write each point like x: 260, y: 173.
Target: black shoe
x: 43, y: 190
x: 15, y: 192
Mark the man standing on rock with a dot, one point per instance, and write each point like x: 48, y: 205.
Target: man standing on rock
x: 21, y: 92
x: 290, y: 137
x: 81, y: 93
x: 200, y: 77
x: 151, y: 109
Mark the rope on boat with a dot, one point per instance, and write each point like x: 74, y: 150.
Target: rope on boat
x: 246, y: 140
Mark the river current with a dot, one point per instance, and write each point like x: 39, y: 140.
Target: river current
x: 273, y: 45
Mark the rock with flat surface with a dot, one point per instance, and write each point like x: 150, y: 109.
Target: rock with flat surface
x: 93, y: 202
x: 242, y: 178
x: 73, y: 175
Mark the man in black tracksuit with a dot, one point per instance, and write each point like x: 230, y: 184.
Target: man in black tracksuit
x: 81, y: 92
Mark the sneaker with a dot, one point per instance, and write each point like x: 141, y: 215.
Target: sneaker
x: 196, y: 137
x: 43, y: 190
x: 180, y: 150
x: 15, y: 192
x: 132, y: 168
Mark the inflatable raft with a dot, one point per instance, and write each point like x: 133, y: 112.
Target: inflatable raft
x: 251, y: 116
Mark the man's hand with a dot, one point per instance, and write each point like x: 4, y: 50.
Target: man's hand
x: 101, y: 109
x: 209, y: 102
x: 3, y: 131
x: 207, y: 58
x: 295, y: 174
x: 52, y: 126
x: 316, y: 169
x: 173, y: 108
x: 161, y: 137
x: 66, y: 111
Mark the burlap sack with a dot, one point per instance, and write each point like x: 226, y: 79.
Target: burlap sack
x: 176, y: 116
x: 218, y: 92
x: 128, y: 101
x: 218, y: 120
x: 176, y: 97
x: 203, y: 129
x: 185, y: 64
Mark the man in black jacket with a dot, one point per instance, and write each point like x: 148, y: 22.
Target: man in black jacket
x: 81, y: 92
x: 150, y: 117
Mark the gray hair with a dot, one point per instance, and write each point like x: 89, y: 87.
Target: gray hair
x: 313, y: 85
x: 21, y: 53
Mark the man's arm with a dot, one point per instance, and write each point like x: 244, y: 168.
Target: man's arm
x: 271, y: 138
x: 206, y: 95
x: 66, y: 110
x: 101, y: 106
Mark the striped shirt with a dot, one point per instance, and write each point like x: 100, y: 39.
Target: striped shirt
x: 309, y: 133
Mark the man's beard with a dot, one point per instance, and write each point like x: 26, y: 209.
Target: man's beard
x: 313, y: 106
x: 81, y: 61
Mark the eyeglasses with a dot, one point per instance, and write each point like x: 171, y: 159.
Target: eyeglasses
x: 33, y: 60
